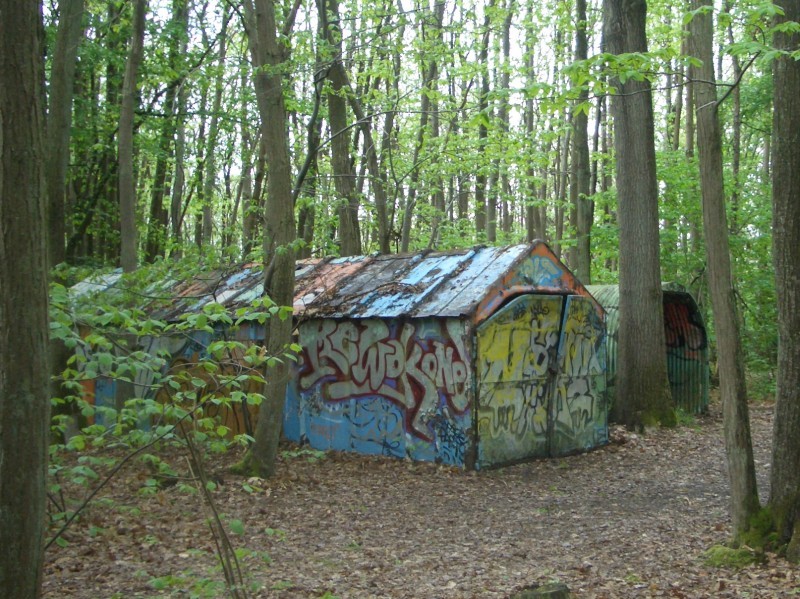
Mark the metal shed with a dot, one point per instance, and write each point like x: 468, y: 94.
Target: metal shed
x: 686, y: 344
x: 474, y: 358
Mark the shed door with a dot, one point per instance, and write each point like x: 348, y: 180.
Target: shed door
x: 515, y: 368
x: 579, y: 412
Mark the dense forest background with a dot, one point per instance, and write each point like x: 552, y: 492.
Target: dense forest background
x: 410, y: 126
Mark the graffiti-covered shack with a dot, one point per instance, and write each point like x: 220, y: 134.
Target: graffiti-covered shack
x: 475, y: 358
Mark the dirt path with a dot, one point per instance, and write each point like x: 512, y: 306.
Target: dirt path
x: 629, y: 520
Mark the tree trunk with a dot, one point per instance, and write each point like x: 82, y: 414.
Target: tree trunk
x: 785, y: 477
x: 733, y: 388
x: 127, y: 183
x: 24, y: 399
x: 343, y: 177
x: 643, y: 392
x: 157, y: 224
x: 279, y: 227
x: 179, y: 181
x: 210, y: 176
x: 59, y: 121
x: 736, y: 149
x: 429, y: 68
x: 483, y: 132
x: 581, y: 174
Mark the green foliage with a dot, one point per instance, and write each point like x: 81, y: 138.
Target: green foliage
x: 722, y: 556
x: 170, y: 399
x: 306, y: 453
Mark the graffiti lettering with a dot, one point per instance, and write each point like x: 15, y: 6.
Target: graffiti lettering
x: 411, y: 369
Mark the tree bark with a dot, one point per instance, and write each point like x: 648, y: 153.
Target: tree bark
x: 643, y: 392
x: 127, y: 183
x: 343, y: 177
x: 733, y: 388
x: 279, y: 227
x: 210, y: 176
x: 157, y: 224
x: 59, y: 121
x: 24, y: 398
x: 483, y: 131
x: 581, y: 174
x: 785, y: 476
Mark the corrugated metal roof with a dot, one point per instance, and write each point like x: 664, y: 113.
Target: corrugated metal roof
x: 451, y: 283
x: 425, y: 284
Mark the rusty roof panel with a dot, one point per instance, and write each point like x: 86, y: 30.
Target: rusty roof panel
x: 452, y: 283
x: 467, y: 287
x: 316, y: 281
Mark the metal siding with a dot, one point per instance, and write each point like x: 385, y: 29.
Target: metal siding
x: 387, y: 386
x: 515, y: 359
x: 580, y: 407
x: 687, y: 363
x: 687, y: 352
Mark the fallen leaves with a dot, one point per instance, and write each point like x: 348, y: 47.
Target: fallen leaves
x: 629, y: 520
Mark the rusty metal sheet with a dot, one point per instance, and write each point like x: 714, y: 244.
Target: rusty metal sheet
x: 473, y: 282
x: 317, y: 282
x: 468, y: 286
x: 415, y: 293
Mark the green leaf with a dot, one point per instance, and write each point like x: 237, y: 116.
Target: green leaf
x: 237, y: 527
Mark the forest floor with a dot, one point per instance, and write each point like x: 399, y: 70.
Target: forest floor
x: 632, y: 519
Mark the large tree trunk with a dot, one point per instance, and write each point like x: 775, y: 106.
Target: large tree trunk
x: 643, y: 392
x: 24, y: 400
x: 279, y: 227
x: 127, y: 183
x: 733, y: 389
x: 785, y: 495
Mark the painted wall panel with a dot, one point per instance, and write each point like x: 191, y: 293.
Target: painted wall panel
x: 393, y: 387
x: 515, y: 363
x: 580, y: 415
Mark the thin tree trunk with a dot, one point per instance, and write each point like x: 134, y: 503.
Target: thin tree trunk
x: 59, y: 121
x: 483, y: 130
x: 736, y: 145
x: 343, y: 176
x: 159, y: 216
x: 581, y: 175
x: 210, y: 177
x: 430, y: 73
x: 179, y: 181
x: 127, y: 183
x: 733, y: 388
x: 279, y: 227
